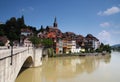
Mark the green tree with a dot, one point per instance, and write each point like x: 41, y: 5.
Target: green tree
x: 12, y: 28
x: 20, y: 22
x: 2, y: 33
x: 107, y: 48
x: 35, y: 41
x: 1, y: 43
x: 2, y: 27
x: 47, y: 28
x: 12, y: 36
x: 47, y: 43
x: 51, y: 52
x: 41, y: 29
x: 103, y: 47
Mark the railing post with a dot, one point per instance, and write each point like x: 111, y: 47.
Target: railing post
x: 11, y: 55
x: 28, y: 49
x: 11, y: 44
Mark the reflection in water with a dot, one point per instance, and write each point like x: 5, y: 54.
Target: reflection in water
x: 67, y: 67
x: 30, y: 75
x: 70, y: 69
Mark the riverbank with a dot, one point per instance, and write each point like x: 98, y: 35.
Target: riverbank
x: 81, y: 54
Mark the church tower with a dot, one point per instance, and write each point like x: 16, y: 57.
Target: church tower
x: 55, y: 25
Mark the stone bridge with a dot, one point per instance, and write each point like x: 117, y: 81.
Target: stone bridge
x: 10, y: 66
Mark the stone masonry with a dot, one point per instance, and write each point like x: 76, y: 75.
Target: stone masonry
x: 22, y: 57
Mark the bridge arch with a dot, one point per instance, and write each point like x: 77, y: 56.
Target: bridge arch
x: 26, y: 64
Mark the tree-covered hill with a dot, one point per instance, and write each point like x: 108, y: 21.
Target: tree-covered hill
x: 12, y: 28
x: 116, y: 47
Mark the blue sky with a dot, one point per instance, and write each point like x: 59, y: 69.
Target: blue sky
x: 98, y: 17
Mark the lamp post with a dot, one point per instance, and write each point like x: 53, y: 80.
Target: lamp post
x: 11, y: 44
x: 12, y: 36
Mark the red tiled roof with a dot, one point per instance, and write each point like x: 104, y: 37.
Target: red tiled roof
x: 51, y: 35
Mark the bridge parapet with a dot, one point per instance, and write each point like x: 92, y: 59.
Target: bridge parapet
x: 7, y: 52
x: 22, y: 56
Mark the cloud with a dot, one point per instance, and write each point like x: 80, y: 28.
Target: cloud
x: 22, y: 10
x: 109, y: 11
x: 31, y: 8
x: 116, y: 32
x: 27, y: 9
x: 104, y: 37
x: 105, y: 24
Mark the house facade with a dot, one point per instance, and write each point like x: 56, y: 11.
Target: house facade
x: 27, y: 42
x: 25, y: 35
x: 92, y: 42
x: 69, y: 46
x: 59, y: 47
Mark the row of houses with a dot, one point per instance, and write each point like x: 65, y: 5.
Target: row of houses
x: 67, y: 42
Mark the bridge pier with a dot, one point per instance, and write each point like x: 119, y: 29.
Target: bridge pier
x: 37, y: 57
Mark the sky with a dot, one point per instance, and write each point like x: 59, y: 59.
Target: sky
x: 100, y: 18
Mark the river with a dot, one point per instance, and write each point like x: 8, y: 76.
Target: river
x: 75, y: 69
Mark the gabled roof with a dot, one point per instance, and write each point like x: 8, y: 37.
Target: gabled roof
x: 91, y: 37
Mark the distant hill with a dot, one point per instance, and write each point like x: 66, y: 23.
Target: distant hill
x: 116, y: 46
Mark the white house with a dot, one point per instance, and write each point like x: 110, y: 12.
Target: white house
x: 74, y: 49
x: 27, y: 43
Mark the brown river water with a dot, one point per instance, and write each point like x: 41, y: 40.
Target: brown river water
x: 75, y: 69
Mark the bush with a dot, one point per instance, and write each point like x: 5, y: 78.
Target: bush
x: 2, y: 44
x: 103, y: 47
x: 51, y: 52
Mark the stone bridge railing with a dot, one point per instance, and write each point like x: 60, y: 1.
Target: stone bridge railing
x: 22, y: 57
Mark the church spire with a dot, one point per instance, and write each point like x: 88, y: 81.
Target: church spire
x: 55, y: 23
